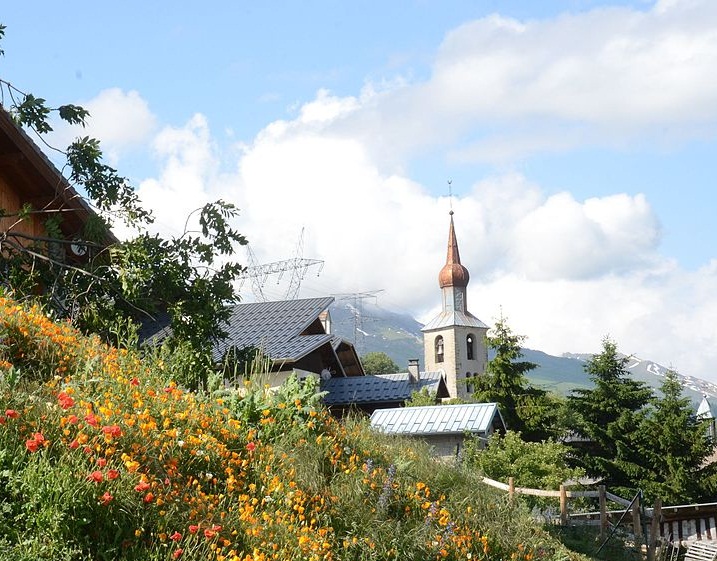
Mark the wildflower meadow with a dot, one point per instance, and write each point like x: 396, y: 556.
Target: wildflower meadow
x: 104, y: 456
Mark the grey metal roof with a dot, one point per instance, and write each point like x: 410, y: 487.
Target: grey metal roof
x: 451, y: 318
x: 707, y: 408
x: 276, y: 328
x: 356, y: 390
x: 476, y: 418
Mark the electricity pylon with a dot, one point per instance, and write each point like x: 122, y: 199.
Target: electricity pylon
x: 258, y: 273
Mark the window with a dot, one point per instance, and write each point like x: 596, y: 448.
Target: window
x: 439, y: 349
x: 470, y: 347
x: 469, y: 382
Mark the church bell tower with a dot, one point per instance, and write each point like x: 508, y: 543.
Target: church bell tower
x: 454, y: 341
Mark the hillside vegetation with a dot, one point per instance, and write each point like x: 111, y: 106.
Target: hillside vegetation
x: 103, y: 456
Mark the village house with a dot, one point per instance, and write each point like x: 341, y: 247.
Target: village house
x: 27, y: 177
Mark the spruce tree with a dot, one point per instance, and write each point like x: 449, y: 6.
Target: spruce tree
x: 677, y: 445
x: 607, y: 421
x: 523, y: 407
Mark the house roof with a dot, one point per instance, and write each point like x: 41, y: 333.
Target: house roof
x: 707, y: 408
x: 276, y: 328
x: 358, y: 390
x: 32, y: 173
x: 476, y: 418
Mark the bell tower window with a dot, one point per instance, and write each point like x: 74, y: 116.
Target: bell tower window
x: 439, y: 349
x: 470, y: 347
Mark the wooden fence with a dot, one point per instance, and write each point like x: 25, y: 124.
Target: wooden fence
x: 679, y: 524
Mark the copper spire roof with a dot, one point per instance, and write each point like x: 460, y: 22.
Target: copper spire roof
x: 453, y: 273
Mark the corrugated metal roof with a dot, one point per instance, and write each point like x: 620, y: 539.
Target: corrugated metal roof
x: 476, y: 418
x: 377, y: 389
x: 451, y: 318
x: 275, y: 327
x: 707, y: 408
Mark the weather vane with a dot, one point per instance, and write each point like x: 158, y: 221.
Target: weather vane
x: 450, y: 196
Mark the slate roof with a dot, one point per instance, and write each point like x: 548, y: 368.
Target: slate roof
x: 357, y: 390
x: 476, y: 418
x: 451, y: 318
x: 276, y: 328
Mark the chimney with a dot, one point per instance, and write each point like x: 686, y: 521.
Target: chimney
x: 414, y: 376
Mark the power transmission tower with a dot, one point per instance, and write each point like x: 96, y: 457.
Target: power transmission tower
x: 258, y: 273
x: 358, y: 314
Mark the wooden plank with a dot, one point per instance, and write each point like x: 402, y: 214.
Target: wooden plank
x: 616, y: 499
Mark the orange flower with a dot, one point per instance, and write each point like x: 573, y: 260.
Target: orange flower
x: 91, y: 420
x: 209, y: 533
x: 149, y: 497
x: 32, y: 445
x: 73, y: 420
x: 112, y: 430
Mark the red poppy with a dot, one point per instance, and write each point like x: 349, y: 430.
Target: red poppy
x: 102, y: 462
x: 106, y: 498
x: 3, y: 419
x: 91, y: 420
x: 149, y: 497
x: 175, y: 537
x: 193, y: 528
x: 177, y: 553
x: 112, y: 430
x: 209, y: 533
x: 134, y: 382
x: 32, y: 445
x: 112, y: 474
x: 65, y: 400
x: 251, y: 447
x: 73, y: 419
x: 141, y: 487
x: 96, y: 476
x: 74, y: 444
x: 11, y: 414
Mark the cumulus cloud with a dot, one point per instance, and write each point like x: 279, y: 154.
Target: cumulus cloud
x: 566, y: 271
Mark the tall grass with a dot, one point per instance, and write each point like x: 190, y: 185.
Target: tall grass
x: 104, y: 456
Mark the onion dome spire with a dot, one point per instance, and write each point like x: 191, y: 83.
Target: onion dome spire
x: 453, y: 273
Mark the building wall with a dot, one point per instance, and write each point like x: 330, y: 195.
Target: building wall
x: 11, y: 203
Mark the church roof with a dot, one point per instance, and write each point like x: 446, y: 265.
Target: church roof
x: 475, y: 418
x: 707, y: 408
x: 453, y: 273
x: 452, y: 318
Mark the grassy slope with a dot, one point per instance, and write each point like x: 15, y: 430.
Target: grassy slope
x: 102, y: 456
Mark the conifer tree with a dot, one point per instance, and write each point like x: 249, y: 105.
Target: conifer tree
x: 677, y: 445
x: 607, y: 421
x: 522, y: 406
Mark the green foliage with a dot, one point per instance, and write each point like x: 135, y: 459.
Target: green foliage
x: 524, y: 408
x: 676, y: 446
x: 608, y: 419
x: 422, y: 398
x: 378, y: 363
x: 537, y: 465
x: 189, y: 277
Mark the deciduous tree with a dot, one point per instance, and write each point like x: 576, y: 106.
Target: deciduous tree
x: 378, y: 363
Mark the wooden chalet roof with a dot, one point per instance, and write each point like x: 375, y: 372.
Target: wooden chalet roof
x: 27, y: 170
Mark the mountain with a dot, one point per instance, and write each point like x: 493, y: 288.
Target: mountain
x: 372, y: 328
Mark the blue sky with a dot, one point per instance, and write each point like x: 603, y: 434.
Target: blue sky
x: 580, y: 137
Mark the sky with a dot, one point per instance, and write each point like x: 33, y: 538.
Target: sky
x: 579, y: 138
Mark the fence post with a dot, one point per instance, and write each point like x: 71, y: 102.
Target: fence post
x: 636, y: 522
x: 603, y: 511
x: 511, y: 488
x: 563, y: 505
x: 654, y: 530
